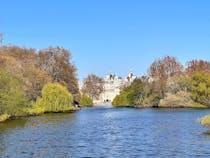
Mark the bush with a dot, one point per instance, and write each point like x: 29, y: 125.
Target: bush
x: 131, y: 95
x: 205, y: 121
x: 152, y: 100
x: 55, y: 98
x: 121, y: 100
x: 86, y: 101
x: 181, y: 99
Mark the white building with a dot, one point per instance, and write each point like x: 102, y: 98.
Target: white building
x: 112, y: 87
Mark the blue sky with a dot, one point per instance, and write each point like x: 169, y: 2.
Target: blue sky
x: 111, y: 35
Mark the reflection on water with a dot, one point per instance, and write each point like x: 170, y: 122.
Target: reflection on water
x: 107, y: 132
x: 207, y: 133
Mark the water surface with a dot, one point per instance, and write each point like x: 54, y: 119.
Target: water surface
x: 107, y: 132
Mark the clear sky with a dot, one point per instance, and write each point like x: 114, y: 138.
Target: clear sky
x: 111, y: 35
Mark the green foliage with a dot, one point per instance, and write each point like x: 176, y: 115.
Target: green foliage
x: 4, y: 117
x: 156, y: 91
x: 35, y: 110
x: 85, y: 101
x: 152, y: 100
x: 121, y: 100
x: 141, y: 94
x: 12, y: 97
x: 131, y: 95
x: 200, y: 88
x: 55, y: 98
x: 184, y: 83
x: 182, y: 91
x: 53, y: 63
x: 23, y: 74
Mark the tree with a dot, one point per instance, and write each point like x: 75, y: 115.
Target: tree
x: 165, y: 67
x: 121, y: 100
x: 11, y: 65
x: 135, y: 92
x: 1, y: 39
x: 13, y: 99
x: 55, y: 98
x: 132, y: 95
x: 22, y: 55
x: 34, y: 80
x: 200, y: 88
x: 160, y: 71
x: 85, y: 101
x: 197, y: 66
x: 93, y: 86
x: 176, y: 84
x: 56, y: 62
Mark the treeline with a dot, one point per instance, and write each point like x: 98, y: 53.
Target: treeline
x: 33, y: 82
x: 170, y: 84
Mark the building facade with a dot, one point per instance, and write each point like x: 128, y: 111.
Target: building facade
x: 113, y: 84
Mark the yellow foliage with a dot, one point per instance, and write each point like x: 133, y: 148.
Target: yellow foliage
x: 4, y: 117
x: 181, y: 99
x: 205, y: 121
x: 55, y: 98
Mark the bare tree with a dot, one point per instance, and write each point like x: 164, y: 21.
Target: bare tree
x: 1, y: 38
x: 93, y: 86
x: 197, y: 65
x: 165, y: 67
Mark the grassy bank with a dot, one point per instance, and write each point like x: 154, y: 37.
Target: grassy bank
x: 55, y: 99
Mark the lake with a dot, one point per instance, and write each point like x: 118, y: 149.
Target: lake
x: 106, y: 132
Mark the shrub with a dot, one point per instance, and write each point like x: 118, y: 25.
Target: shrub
x: 205, y: 121
x: 86, y: 101
x: 131, y: 95
x: 55, y: 98
x: 181, y: 99
x: 121, y: 100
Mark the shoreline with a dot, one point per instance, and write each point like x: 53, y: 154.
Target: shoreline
x: 6, y: 117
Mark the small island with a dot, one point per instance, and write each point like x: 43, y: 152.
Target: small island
x: 169, y: 85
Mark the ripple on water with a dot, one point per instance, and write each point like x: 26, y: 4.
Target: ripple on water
x: 107, y: 132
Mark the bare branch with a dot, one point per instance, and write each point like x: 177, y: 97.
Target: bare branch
x: 1, y: 38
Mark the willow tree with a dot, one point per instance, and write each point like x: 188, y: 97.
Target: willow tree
x: 55, y: 98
